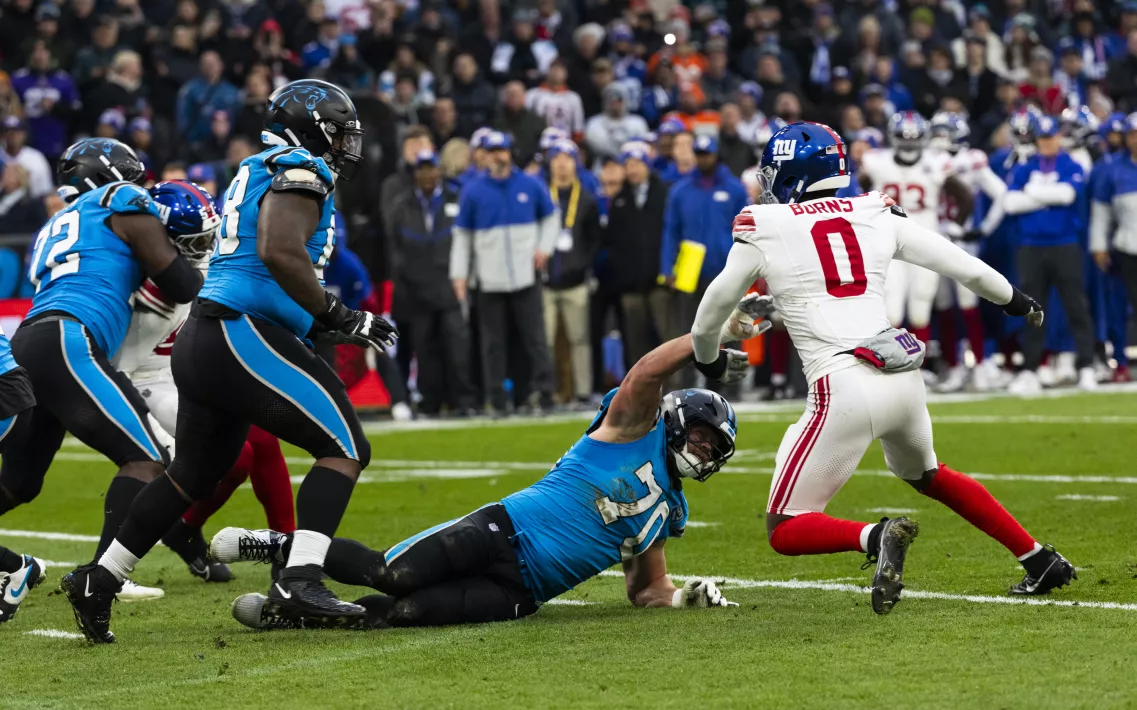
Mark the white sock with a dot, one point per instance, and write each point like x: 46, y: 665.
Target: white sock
x: 865, y: 532
x: 118, y: 560
x: 1037, y: 547
x: 308, y: 548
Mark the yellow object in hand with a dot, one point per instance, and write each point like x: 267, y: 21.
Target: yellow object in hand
x: 689, y: 265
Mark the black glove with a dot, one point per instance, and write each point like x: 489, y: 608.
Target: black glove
x: 971, y: 236
x: 340, y: 324
x: 731, y: 366
x: 1023, y: 305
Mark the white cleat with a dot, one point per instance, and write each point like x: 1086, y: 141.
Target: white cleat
x: 1025, y: 384
x: 987, y: 376
x: 401, y: 412
x: 1065, y: 373
x: 1046, y: 376
x: 1087, y: 379
x: 955, y: 381
x: 241, y: 545
x: 133, y: 592
x: 14, y: 586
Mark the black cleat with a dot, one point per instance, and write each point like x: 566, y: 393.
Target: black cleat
x: 895, y: 537
x: 210, y: 571
x: 1045, y: 570
x: 91, y: 589
x: 300, y: 594
x: 189, y: 543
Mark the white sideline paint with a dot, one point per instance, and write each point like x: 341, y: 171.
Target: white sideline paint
x: 891, y: 511
x: 825, y: 586
x: 571, y: 602
x: 1077, y: 496
x: 53, y: 634
x: 49, y: 536
x: 701, y: 524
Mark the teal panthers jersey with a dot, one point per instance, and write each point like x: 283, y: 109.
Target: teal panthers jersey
x: 237, y: 276
x: 81, y: 267
x: 7, y: 362
x: 601, y: 503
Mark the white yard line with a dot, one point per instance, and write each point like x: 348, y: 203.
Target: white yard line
x: 891, y: 511
x: 70, y: 537
x: 1098, y: 499
x: 826, y: 586
x: 570, y: 602
x: 53, y: 634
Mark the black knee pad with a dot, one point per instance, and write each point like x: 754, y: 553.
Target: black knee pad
x: 405, y: 612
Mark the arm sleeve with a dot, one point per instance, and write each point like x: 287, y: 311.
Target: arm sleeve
x: 547, y: 228
x: 923, y: 247
x: 989, y: 183
x: 1059, y: 194
x: 744, y: 265
x: 1018, y: 202
x: 1101, y: 217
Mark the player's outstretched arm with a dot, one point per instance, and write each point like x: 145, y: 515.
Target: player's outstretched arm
x: 633, y: 410
x: 743, y: 266
x: 646, y: 580
x: 164, y: 264
x: 923, y: 247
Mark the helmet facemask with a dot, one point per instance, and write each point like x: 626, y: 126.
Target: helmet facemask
x: 688, y: 463
x: 345, y: 148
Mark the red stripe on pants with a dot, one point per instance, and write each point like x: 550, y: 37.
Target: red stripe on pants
x: 802, y: 447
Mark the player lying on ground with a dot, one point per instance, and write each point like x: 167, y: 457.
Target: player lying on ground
x: 615, y: 496
x: 824, y: 261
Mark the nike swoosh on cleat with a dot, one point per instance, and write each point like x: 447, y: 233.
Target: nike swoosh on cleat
x: 23, y: 585
x: 87, y: 587
x: 286, y: 595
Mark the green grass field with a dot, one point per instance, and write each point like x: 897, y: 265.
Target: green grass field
x: 804, y: 635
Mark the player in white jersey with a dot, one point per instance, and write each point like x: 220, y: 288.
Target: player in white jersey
x: 824, y: 260
x: 914, y: 176
x: 950, y: 133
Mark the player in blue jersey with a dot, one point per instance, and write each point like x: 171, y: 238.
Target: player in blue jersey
x: 242, y: 356
x: 86, y: 264
x: 615, y: 497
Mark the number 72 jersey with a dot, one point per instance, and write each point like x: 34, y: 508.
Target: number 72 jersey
x: 237, y: 276
x: 824, y: 262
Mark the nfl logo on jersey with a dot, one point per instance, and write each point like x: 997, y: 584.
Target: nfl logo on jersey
x: 784, y: 149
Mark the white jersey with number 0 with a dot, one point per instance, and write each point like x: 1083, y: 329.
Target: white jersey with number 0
x: 917, y: 187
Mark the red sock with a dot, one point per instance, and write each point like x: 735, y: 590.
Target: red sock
x: 201, y: 511
x: 949, y: 338
x: 817, y: 534
x: 923, y: 333
x: 779, y: 351
x: 271, y: 481
x: 973, y: 321
x: 975, y: 504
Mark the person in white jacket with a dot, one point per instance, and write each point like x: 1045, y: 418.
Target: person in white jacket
x: 606, y: 132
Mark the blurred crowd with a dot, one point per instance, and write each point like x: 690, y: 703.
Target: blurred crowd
x: 550, y: 184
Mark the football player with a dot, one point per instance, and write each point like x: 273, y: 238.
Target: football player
x: 241, y: 356
x: 950, y: 134
x: 913, y: 176
x: 192, y: 220
x: 1079, y: 128
x: 824, y: 260
x: 86, y: 264
x: 615, y: 496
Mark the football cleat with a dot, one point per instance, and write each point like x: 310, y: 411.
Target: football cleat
x: 895, y: 537
x: 14, y: 586
x: 241, y: 545
x: 300, y: 594
x: 134, y: 592
x: 91, y: 589
x: 210, y: 571
x: 188, y: 542
x: 1046, y: 570
x: 250, y: 611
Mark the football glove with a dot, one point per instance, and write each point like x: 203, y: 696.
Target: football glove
x: 892, y: 350
x: 741, y: 326
x: 1023, y: 305
x: 731, y: 366
x: 340, y: 324
x: 699, y: 594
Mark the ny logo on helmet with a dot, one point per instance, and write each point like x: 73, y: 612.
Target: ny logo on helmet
x: 784, y: 149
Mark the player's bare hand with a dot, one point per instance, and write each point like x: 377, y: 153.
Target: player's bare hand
x: 1101, y: 258
x: 699, y: 594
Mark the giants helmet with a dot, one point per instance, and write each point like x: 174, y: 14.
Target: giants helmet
x: 93, y: 162
x: 950, y: 131
x: 802, y: 157
x: 320, y: 118
x: 908, y: 131
x: 1079, y: 125
x: 681, y: 410
x: 190, y: 216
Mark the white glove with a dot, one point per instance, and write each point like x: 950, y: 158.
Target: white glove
x: 164, y: 439
x: 740, y: 326
x: 700, y: 594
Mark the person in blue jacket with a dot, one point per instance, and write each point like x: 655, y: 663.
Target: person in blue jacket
x: 1045, y: 198
x: 701, y: 208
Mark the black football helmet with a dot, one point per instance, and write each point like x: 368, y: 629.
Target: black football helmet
x: 319, y: 117
x: 94, y: 162
x: 681, y: 410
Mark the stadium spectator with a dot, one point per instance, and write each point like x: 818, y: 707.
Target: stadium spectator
x: 938, y: 81
x: 522, y: 57
x: 1122, y: 78
x: 979, y: 33
x: 204, y: 175
x: 592, y: 92
x: 415, y: 140
x: 752, y: 122
x: 518, y: 121
x: 139, y: 136
x: 37, y: 177
x: 213, y: 146
x: 980, y: 79
x: 569, y: 267
x: 203, y: 96
x: 1040, y: 87
x: 1022, y: 43
x: 735, y: 153
x: 606, y: 132
x: 1094, y: 46
x: 120, y: 88
x: 419, y: 228
x: 444, y: 121
x: 406, y: 64
x: 111, y: 123
x: 719, y: 83
x: 20, y: 211
x: 347, y: 69
x: 47, y: 16
x: 1045, y: 197
x: 9, y: 100
x: 815, y: 51
x: 661, y: 95
x: 700, y: 209
x: 506, y: 228
x: 318, y: 54
x: 472, y: 95
x: 1071, y: 77
x: 558, y: 105
x: 632, y: 240
x: 50, y: 100
x: 887, y: 23
x: 580, y: 64
x: 240, y: 147
x: 92, y: 60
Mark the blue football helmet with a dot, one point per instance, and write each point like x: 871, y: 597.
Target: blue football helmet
x: 950, y: 131
x: 908, y: 131
x: 802, y: 157
x: 872, y: 136
x: 1079, y: 125
x: 1022, y: 125
x: 1044, y: 126
x: 681, y: 410
x: 190, y: 216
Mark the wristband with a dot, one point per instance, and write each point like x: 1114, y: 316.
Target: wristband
x: 1019, y: 305
x: 335, y: 313
x: 713, y: 370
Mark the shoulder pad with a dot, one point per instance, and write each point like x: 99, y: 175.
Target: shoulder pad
x: 898, y: 211
x: 299, y: 179
x: 285, y: 158
x: 128, y: 198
